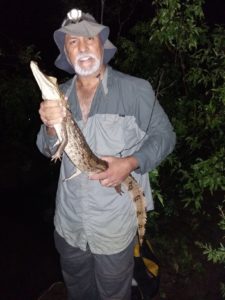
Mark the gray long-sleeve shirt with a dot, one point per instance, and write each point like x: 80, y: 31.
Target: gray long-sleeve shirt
x: 125, y: 119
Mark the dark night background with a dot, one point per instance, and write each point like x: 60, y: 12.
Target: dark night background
x: 33, y: 22
x: 29, y: 263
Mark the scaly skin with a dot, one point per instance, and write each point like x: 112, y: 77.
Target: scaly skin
x: 72, y: 141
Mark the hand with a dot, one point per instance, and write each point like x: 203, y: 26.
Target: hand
x: 117, y: 172
x: 51, y: 113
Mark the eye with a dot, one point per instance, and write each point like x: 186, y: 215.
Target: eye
x: 90, y: 39
x: 73, y: 41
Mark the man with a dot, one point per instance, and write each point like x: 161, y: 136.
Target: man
x: 125, y: 125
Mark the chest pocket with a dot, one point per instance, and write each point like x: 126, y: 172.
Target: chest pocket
x: 107, y: 134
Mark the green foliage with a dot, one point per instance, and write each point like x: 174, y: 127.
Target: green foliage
x: 217, y: 255
x: 204, y: 175
x: 190, y: 57
x: 176, y: 23
x: 180, y: 54
x: 154, y: 179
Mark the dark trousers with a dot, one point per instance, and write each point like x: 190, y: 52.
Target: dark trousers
x: 91, y: 276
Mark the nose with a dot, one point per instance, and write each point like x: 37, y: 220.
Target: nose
x: 82, y: 45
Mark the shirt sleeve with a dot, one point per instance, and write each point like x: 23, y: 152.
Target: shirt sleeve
x: 159, y: 138
x: 45, y: 143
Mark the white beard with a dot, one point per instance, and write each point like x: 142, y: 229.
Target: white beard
x: 87, y: 70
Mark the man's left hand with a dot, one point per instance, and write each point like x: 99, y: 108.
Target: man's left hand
x: 117, y: 172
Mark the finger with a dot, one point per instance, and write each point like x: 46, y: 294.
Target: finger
x: 98, y: 176
x: 51, y: 102
x: 106, y: 158
x: 48, y: 106
x: 51, y: 123
x: 104, y: 183
x: 108, y: 183
x: 52, y: 113
x: 50, y: 119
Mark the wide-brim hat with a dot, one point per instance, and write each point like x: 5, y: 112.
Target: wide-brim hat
x: 86, y: 26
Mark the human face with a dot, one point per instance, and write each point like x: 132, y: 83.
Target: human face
x: 84, y: 53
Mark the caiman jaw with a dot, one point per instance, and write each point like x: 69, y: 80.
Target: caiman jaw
x: 50, y: 91
x: 47, y: 84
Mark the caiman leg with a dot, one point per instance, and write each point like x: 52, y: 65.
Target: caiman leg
x: 62, y: 141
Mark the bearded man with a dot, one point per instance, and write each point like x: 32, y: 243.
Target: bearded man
x: 125, y: 125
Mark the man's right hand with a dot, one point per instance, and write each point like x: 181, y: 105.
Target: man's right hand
x: 51, y: 113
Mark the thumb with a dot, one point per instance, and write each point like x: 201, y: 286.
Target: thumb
x: 106, y: 158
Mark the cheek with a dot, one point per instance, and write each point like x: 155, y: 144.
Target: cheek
x: 71, y: 56
x: 99, y: 53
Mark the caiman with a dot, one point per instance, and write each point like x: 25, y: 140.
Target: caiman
x: 72, y: 141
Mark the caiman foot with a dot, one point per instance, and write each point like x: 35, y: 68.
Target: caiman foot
x: 78, y: 172
x: 119, y: 189
x: 59, y: 151
x: 56, y: 156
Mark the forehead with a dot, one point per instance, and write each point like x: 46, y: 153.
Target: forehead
x: 73, y: 36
